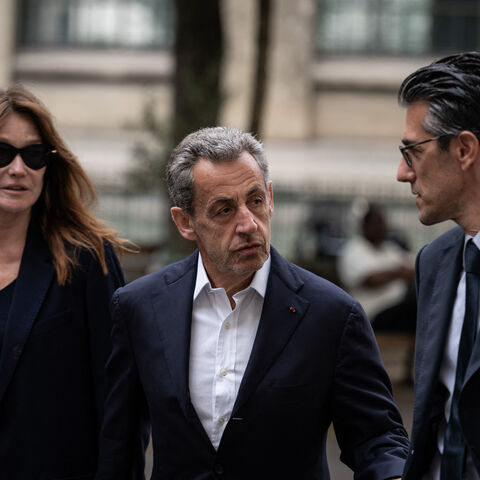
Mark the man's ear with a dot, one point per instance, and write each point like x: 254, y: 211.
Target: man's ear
x: 184, y: 223
x: 467, y: 149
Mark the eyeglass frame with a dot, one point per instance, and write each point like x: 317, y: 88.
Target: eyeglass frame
x: 49, y: 150
x: 405, y: 156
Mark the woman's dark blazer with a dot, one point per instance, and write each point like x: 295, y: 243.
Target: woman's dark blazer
x: 52, y: 388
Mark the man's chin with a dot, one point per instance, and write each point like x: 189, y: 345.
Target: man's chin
x: 249, y: 263
x: 428, y: 220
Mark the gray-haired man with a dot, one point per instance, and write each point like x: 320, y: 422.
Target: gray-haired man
x: 238, y: 359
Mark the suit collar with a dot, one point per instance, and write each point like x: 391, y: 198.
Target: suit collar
x: 443, y: 296
x: 283, y: 309
x: 172, y: 305
x: 441, y: 285
x: 443, y: 293
x: 34, y: 278
x: 285, y: 272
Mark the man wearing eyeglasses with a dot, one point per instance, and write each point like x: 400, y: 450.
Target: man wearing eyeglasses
x: 441, y: 161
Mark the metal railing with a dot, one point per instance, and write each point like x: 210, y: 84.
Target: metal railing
x: 306, y: 223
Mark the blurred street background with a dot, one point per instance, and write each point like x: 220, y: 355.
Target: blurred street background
x: 315, y: 80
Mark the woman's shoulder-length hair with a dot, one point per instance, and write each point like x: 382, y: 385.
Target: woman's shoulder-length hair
x: 64, y: 209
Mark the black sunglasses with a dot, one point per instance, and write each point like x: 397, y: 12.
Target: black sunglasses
x: 34, y: 156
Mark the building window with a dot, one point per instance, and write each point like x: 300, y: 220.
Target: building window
x: 139, y: 24
x: 398, y: 27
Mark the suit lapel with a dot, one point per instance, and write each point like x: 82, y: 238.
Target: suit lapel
x: 172, y: 305
x: 442, y: 296
x: 34, y: 278
x: 282, y: 311
x: 444, y: 291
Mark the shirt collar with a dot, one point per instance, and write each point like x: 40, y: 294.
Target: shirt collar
x: 259, y: 280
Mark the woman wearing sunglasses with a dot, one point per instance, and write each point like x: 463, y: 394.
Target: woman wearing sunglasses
x: 58, y: 271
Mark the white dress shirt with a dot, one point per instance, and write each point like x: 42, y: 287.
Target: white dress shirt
x: 448, y: 370
x: 220, y: 345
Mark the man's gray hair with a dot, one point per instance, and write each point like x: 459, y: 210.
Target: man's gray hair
x: 216, y: 144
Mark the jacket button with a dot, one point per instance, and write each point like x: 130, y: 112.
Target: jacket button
x: 218, y: 469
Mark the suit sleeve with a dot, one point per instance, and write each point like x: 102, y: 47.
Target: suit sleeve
x: 125, y: 430
x: 368, y: 425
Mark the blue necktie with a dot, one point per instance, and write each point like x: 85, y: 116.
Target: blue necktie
x: 453, y: 458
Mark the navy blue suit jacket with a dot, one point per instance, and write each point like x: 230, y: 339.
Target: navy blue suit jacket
x: 52, y: 385
x: 310, y: 365
x: 438, y: 270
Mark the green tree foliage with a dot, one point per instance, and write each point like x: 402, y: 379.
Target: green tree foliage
x: 150, y: 154
x: 198, y: 53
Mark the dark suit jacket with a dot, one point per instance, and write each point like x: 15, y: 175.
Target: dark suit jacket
x: 52, y: 386
x: 310, y: 364
x: 438, y: 270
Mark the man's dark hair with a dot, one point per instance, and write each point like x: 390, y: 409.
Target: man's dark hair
x: 451, y: 87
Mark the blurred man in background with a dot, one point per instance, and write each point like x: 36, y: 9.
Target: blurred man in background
x: 379, y: 273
